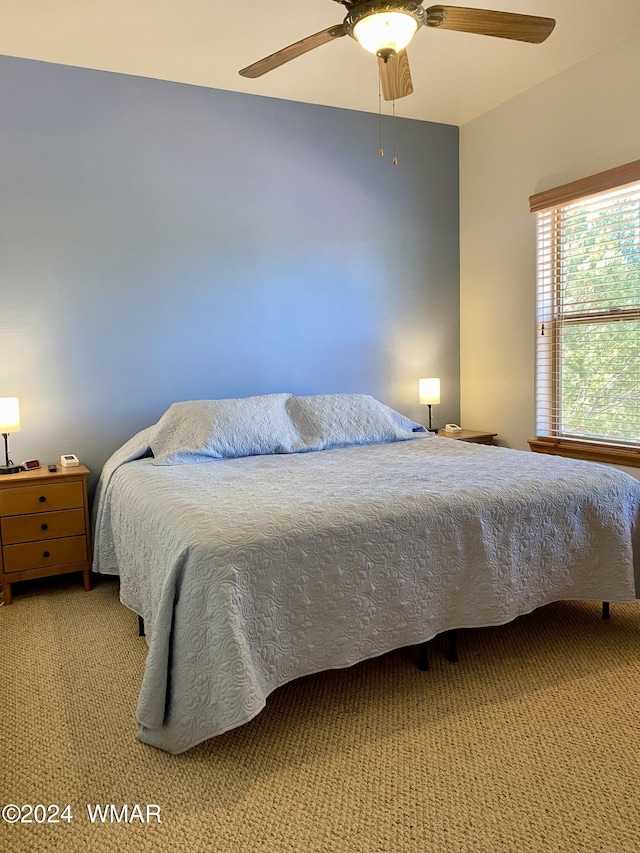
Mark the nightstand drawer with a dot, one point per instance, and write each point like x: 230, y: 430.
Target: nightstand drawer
x: 44, y: 498
x: 50, y: 525
x: 50, y: 552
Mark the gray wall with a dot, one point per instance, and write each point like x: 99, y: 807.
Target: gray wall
x: 164, y: 242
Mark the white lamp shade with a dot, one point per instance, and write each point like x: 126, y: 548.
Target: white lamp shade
x: 9, y: 414
x: 429, y: 392
x: 385, y: 31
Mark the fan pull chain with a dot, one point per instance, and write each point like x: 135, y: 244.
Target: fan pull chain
x: 381, y: 149
x: 395, y: 159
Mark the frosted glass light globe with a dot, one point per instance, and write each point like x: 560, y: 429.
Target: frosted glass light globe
x: 385, y: 33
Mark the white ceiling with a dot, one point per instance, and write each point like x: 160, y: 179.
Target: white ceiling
x: 456, y: 76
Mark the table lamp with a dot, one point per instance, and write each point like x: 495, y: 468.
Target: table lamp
x: 9, y: 422
x: 429, y: 390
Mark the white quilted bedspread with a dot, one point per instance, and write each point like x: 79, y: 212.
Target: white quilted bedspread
x: 255, y: 571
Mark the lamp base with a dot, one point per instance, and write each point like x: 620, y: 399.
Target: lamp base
x: 10, y: 469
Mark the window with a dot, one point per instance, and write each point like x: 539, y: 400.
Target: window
x: 588, y: 315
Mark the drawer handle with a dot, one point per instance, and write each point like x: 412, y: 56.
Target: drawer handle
x: 42, y: 499
x: 44, y: 527
x: 45, y: 554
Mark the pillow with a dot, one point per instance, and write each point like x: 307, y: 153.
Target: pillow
x: 200, y: 430
x: 338, y: 420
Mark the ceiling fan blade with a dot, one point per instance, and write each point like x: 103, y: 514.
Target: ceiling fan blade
x: 506, y: 25
x: 395, y: 76
x: 275, y: 60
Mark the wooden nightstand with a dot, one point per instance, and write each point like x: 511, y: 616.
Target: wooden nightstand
x: 472, y: 435
x: 44, y: 525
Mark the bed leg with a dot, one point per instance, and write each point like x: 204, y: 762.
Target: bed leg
x: 140, y: 626
x: 605, y: 610
x: 423, y: 657
x: 452, y: 646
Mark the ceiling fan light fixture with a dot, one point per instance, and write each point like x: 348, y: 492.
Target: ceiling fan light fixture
x: 385, y: 33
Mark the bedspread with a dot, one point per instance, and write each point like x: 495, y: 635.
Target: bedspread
x: 251, y: 572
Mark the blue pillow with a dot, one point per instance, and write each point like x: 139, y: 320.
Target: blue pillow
x: 201, y: 430
x: 338, y: 420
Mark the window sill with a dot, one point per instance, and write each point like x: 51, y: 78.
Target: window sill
x: 587, y: 450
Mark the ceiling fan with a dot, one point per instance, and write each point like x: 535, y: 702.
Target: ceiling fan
x: 386, y: 28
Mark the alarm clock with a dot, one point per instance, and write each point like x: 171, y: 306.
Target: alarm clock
x: 30, y: 465
x: 69, y: 460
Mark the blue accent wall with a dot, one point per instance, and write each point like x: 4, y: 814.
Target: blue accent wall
x: 163, y: 242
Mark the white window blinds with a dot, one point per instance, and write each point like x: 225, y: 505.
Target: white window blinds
x: 588, y: 309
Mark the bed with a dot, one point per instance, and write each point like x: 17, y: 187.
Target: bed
x: 273, y: 537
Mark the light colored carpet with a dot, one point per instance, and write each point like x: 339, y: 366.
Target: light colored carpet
x: 530, y: 743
